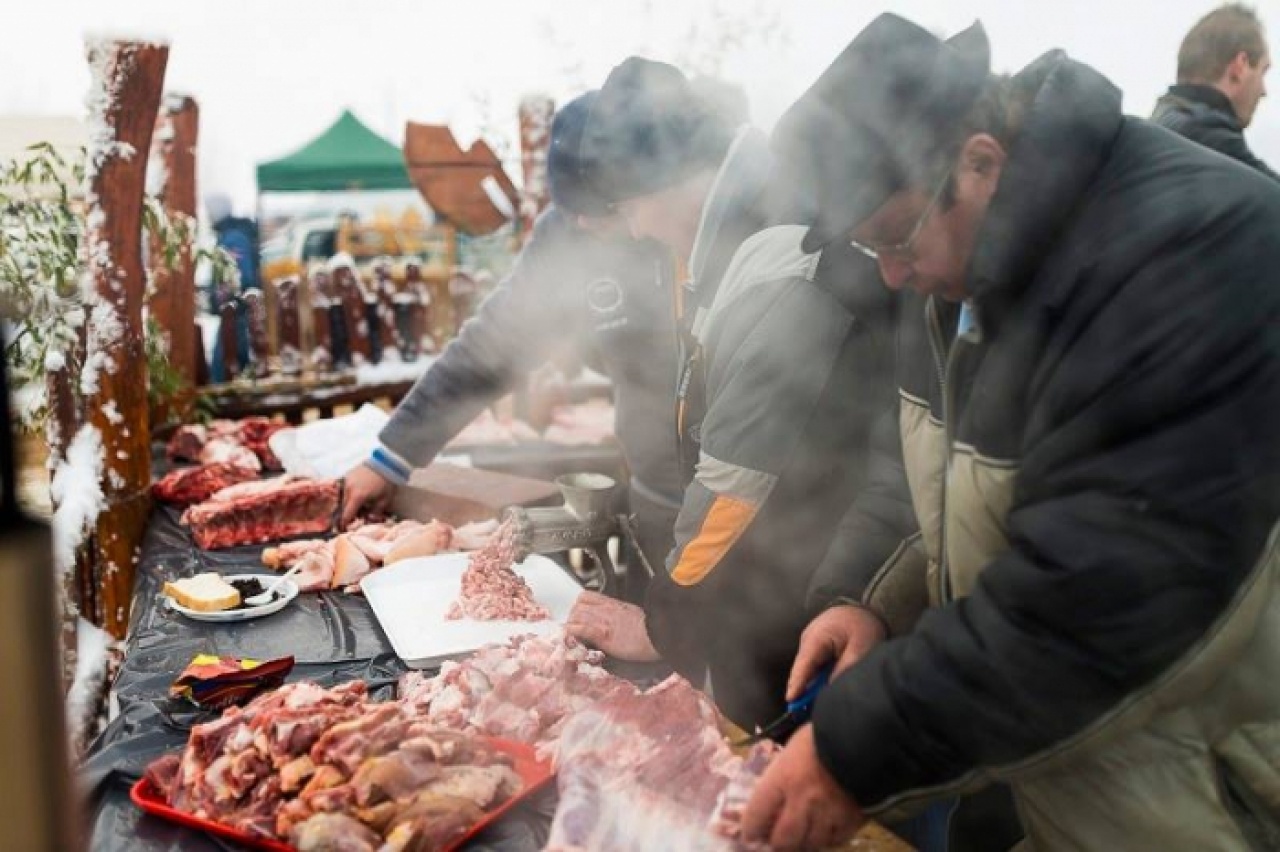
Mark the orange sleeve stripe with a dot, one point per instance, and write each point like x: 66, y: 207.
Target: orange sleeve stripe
x: 723, y: 525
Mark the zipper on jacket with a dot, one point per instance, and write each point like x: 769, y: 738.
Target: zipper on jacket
x: 941, y: 363
x: 972, y: 335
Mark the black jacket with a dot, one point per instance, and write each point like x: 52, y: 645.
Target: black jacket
x: 609, y: 298
x: 1205, y: 115
x: 1115, y: 411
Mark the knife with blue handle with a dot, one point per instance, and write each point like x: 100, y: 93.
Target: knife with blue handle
x: 798, y: 710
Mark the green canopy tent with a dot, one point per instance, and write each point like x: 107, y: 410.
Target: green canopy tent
x: 347, y: 156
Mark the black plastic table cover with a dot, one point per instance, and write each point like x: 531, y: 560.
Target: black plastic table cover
x: 334, y: 638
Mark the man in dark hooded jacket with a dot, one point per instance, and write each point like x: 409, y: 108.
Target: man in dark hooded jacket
x: 1222, y: 69
x: 1089, y: 404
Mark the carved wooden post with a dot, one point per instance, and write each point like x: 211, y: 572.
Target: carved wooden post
x: 173, y: 301
x: 339, y: 337
x: 256, y: 316
x: 536, y: 112
x: 351, y: 295
x: 228, y: 315
x: 129, y: 77
x: 386, y: 293
x: 290, y: 330
x: 321, y: 360
x: 321, y: 353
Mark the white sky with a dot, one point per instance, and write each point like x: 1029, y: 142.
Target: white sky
x: 269, y: 75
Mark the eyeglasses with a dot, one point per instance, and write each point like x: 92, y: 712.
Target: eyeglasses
x: 905, y: 248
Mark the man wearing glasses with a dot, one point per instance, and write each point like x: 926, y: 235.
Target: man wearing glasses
x: 1091, y: 449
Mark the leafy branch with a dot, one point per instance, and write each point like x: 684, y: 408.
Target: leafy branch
x: 44, y: 284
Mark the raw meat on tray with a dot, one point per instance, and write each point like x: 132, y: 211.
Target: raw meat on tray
x: 328, y: 769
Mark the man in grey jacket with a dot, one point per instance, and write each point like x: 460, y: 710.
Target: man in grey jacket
x: 785, y: 369
x: 580, y: 279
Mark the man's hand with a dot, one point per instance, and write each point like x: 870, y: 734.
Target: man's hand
x: 842, y: 633
x: 362, y: 488
x: 796, y: 804
x: 613, y: 626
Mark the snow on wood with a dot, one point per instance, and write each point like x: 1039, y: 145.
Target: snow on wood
x: 76, y: 491
x: 105, y: 333
x: 123, y: 100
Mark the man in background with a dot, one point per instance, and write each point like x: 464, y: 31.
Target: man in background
x: 1222, y: 70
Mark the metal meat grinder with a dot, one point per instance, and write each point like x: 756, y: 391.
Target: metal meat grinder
x: 584, y: 521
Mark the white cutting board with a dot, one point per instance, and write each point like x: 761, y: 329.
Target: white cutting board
x: 411, y: 597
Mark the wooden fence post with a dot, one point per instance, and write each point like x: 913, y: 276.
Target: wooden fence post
x: 173, y: 300
x: 128, y: 79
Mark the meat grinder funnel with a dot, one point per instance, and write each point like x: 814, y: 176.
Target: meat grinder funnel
x: 586, y: 495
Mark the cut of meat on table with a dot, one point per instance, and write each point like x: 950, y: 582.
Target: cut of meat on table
x: 255, y: 433
x: 186, y: 442
x: 251, y: 434
x: 491, y: 590
x: 188, y: 485
x: 253, y: 512
x: 649, y: 770
x: 285, y: 556
x: 229, y: 451
x: 314, y: 557
x: 327, y: 769
x: 342, y: 561
x: 523, y: 690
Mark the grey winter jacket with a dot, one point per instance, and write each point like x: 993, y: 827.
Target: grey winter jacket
x: 609, y: 298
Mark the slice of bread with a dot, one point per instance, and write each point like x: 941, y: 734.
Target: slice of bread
x: 204, y: 593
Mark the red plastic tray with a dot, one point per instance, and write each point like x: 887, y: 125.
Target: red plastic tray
x: 535, y: 774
